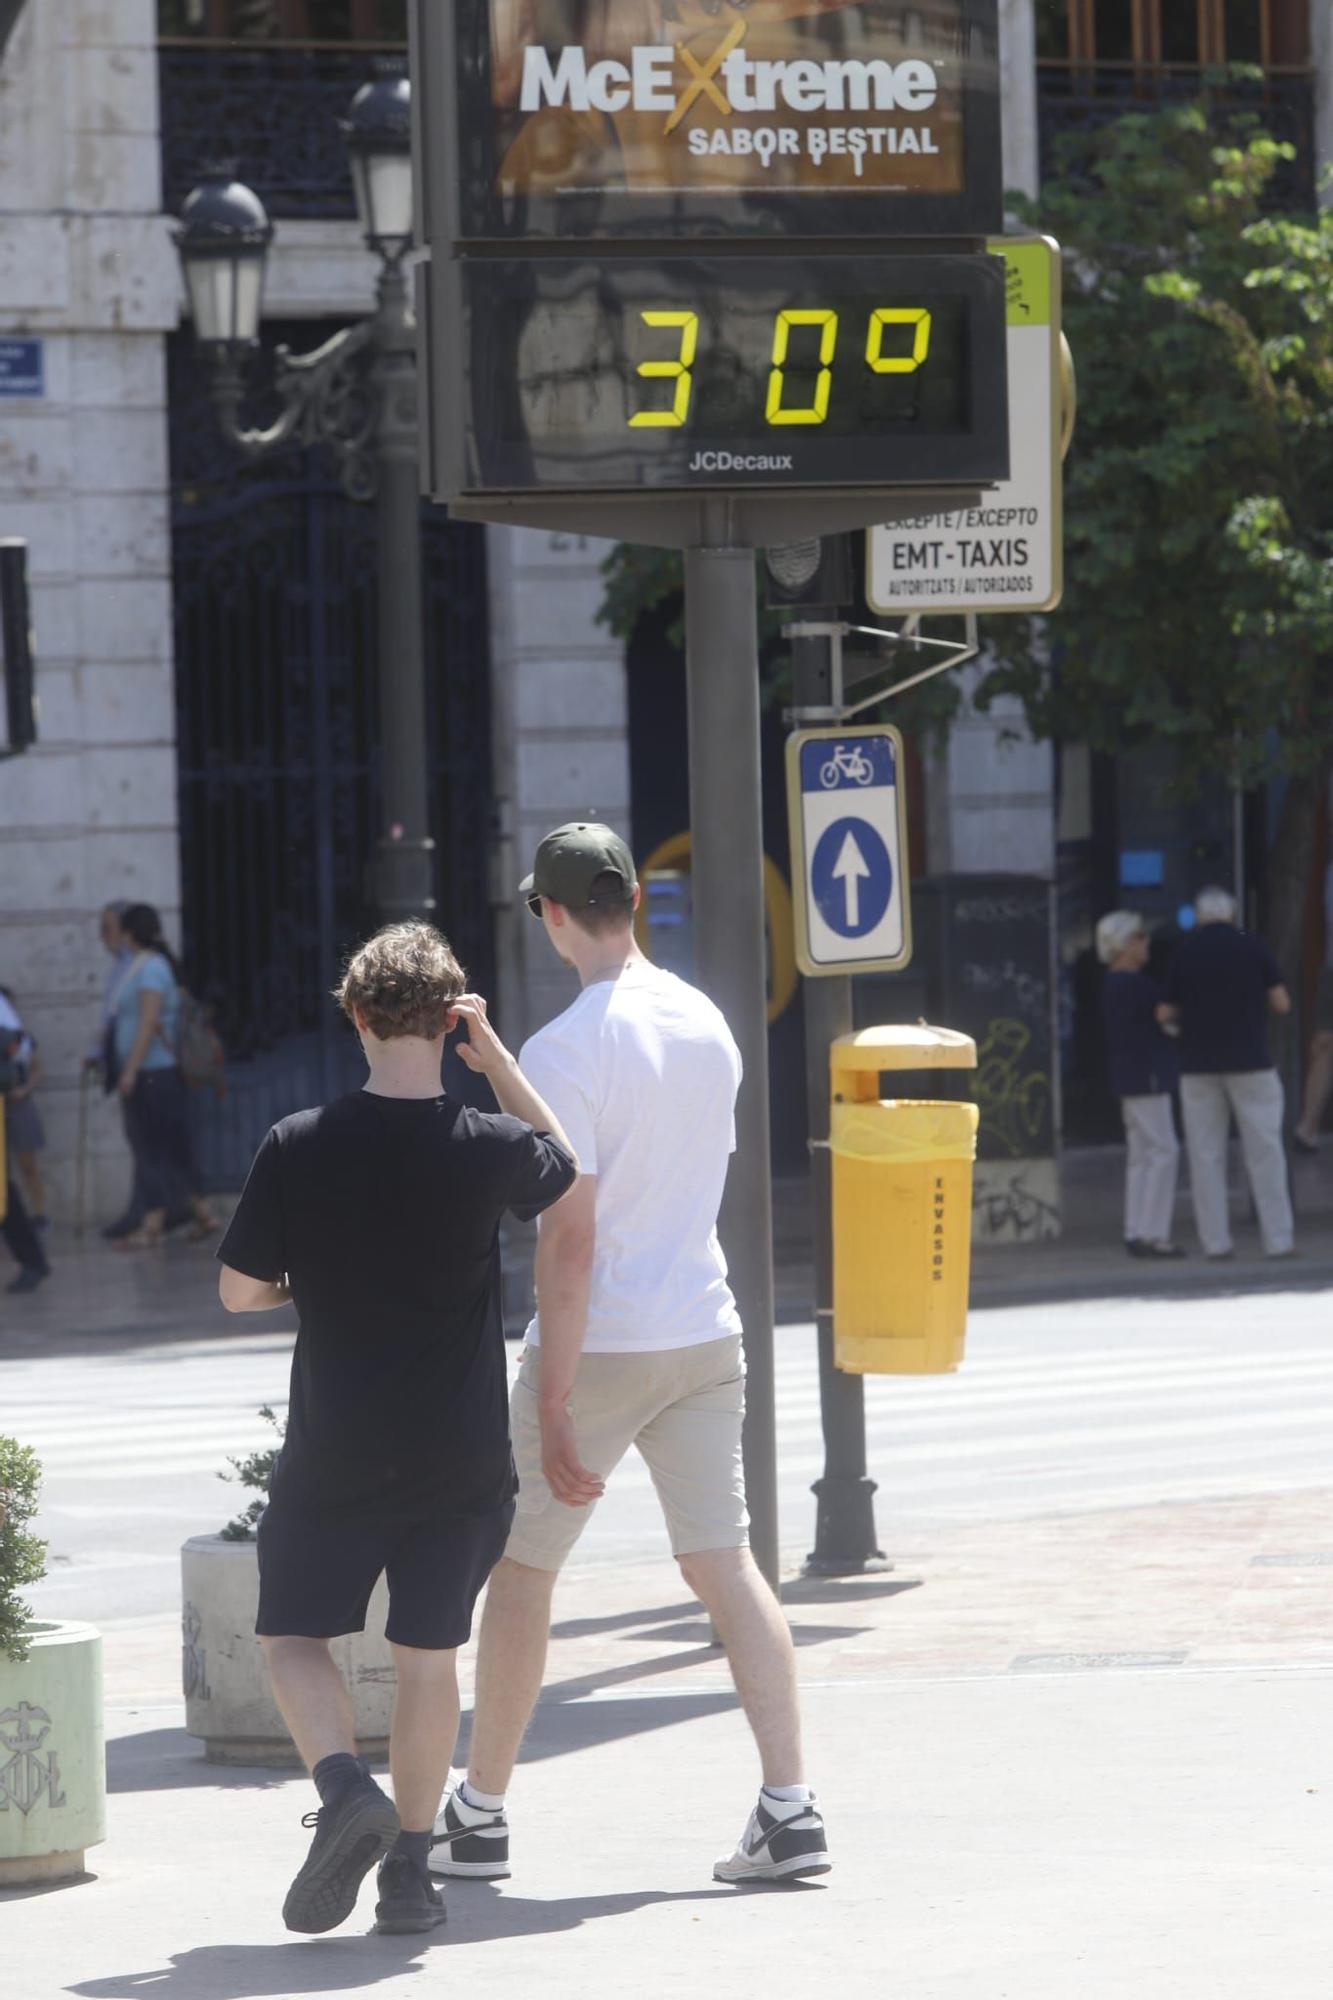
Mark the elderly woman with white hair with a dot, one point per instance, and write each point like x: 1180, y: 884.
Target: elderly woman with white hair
x: 1143, y: 1076
x: 1222, y: 987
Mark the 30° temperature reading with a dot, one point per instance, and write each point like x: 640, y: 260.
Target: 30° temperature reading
x: 805, y: 345
x: 672, y: 372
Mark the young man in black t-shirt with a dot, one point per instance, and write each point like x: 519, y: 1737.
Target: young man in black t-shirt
x: 379, y: 1217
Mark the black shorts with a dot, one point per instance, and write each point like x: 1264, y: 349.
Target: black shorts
x: 317, y: 1570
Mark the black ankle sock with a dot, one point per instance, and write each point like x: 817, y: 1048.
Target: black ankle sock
x: 335, y: 1776
x: 416, y: 1846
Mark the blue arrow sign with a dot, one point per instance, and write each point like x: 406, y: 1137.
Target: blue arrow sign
x: 849, y: 850
x: 851, y: 876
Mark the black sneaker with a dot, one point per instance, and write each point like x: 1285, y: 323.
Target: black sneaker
x: 349, y: 1839
x: 784, y: 1840
x: 407, y: 1901
x: 470, y: 1841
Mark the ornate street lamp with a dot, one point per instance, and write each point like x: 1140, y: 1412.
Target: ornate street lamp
x: 357, y: 394
x: 378, y: 133
x: 223, y: 241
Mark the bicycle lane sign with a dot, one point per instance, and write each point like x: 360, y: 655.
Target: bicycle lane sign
x: 848, y: 824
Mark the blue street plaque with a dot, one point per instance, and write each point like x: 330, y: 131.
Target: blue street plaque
x: 22, y: 367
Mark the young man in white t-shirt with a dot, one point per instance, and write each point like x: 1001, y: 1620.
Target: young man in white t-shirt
x: 636, y: 1342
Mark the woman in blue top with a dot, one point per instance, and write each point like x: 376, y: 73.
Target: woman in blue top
x: 1144, y: 1072
x: 144, y: 1008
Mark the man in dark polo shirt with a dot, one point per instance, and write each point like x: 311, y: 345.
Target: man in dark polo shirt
x: 378, y: 1216
x: 1222, y: 986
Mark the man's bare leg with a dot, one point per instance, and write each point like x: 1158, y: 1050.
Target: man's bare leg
x: 357, y: 1822
x: 784, y: 1838
x: 751, y: 1626
x: 312, y: 1696
x: 425, y: 1729
x: 511, y: 1659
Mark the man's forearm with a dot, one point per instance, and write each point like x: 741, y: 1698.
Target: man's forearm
x: 563, y: 1275
x: 514, y: 1094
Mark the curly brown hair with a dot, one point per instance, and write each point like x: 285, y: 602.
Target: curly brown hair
x: 403, y: 981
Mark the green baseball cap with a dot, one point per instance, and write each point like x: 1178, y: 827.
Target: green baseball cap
x: 570, y: 860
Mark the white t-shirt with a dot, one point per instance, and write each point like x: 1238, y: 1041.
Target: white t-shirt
x: 642, y: 1072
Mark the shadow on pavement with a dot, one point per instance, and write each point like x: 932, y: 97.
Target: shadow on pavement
x: 565, y: 1724
x: 845, y: 1589
x: 26, y: 1893
x: 267, y: 1971
x: 169, y: 1760
x: 798, y: 1590
x: 622, y: 1621
x: 706, y: 1655
x: 477, y: 1914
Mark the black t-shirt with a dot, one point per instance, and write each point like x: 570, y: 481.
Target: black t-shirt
x: 384, y: 1213
x: 1220, y: 979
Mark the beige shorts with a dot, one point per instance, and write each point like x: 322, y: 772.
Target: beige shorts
x: 680, y: 1406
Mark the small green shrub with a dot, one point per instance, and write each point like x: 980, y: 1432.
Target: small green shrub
x: 256, y: 1474
x: 22, y: 1555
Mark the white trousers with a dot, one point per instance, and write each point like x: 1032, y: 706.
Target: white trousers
x: 1151, y: 1166
x: 1207, y: 1104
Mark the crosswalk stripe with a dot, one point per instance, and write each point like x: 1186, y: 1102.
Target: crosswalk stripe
x: 107, y: 1439
x: 908, y: 1403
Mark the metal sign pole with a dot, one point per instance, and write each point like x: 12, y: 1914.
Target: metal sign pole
x: 845, y: 1542
x: 722, y: 663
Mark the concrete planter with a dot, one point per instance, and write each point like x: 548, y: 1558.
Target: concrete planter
x: 227, y: 1699
x: 52, y: 1756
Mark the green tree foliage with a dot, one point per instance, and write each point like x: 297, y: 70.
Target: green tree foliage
x: 1199, y: 491
x: 22, y: 1554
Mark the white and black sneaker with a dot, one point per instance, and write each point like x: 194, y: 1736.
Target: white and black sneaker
x: 469, y: 1840
x: 784, y: 1841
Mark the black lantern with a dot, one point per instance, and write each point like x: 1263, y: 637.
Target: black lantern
x: 223, y: 241
x: 378, y: 132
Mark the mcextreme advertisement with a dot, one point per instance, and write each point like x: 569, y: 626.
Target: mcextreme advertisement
x: 765, y: 115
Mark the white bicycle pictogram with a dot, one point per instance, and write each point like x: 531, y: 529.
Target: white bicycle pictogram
x: 849, y: 763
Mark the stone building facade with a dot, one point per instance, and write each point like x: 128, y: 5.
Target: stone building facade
x: 87, y: 268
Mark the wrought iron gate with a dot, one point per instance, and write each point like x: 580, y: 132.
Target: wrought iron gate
x: 278, y: 758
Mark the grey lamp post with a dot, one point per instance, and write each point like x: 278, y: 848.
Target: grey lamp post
x: 357, y: 393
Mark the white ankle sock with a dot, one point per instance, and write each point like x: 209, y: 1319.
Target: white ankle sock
x: 789, y: 1794
x: 487, y: 1802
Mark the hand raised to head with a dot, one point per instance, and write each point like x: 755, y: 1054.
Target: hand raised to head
x: 483, y: 1052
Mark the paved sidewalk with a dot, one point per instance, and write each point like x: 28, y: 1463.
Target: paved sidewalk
x: 1077, y: 1759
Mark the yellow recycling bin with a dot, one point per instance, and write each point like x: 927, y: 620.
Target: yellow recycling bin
x: 902, y: 1205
